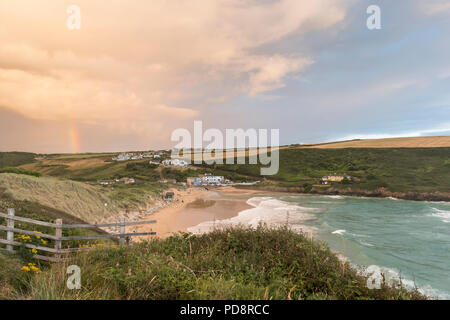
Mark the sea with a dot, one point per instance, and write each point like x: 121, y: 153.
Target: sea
x: 407, y: 241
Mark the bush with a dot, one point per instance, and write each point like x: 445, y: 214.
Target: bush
x: 20, y: 171
x: 226, y: 264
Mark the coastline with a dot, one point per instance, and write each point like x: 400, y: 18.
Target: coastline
x: 436, y: 196
x: 178, y: 216
x: 184, y: 212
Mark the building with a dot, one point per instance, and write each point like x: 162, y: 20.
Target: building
x: 335, y: 178
x: 136, y: 157
x: 122, y: 157
x: 133, y: 156
x: 175, y: 163
x: 127, y: 180
x: 106, y: 182
x: 194, y: 181
x: 169, y: 196
x: 211, y: 180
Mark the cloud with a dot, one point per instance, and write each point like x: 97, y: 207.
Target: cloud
x: 268, y: 72
x: 434, y: 7
x: 126, y: 49
x: 442, y: 129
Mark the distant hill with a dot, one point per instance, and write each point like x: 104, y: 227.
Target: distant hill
x: 14, y: 159
x: 416, y: 142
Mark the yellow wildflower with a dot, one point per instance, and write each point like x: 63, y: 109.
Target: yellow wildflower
x: 34, y: 251
x: 35, y: 269
x: 25, y: 268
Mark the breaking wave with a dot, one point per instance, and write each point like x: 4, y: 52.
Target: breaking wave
x: 443, y: 214
x: 266, y: 210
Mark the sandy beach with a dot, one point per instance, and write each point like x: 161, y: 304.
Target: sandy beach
x: 194, y: 206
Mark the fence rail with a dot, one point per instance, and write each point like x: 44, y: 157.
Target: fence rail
x: 58, y: 251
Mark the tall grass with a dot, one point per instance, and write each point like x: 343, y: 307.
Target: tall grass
x: 78, y: 199
x: 20, y: 171
x: 226, y: 264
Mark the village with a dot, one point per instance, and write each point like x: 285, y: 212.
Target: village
x: 204, y: 180
x: 162, y: 158
x: 140, y: 155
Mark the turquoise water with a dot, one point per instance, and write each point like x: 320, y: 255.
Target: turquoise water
x: 406, y: 238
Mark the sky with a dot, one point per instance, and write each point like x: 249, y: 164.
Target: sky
x: 137, y: 70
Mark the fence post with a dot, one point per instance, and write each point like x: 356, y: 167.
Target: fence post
x: 58, y: 234
x: 122, y: 231
x: 10, y: 234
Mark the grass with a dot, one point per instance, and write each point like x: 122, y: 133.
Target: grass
x: 13, y: 282
x: 19, y: 171
x: 398, y: 170
x: 74, y: 170
x: 36, y: 211
x: 228, y: 264
x: 415, y: 142
x: 75, y: 198
x: 419, y: 170
x: 13, y: 159
x: 95, y: 169
x: 80, y: 156
x: 81, y: 200
x: 134, y: 195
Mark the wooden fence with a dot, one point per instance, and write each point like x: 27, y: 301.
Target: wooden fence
x: 58, y: 251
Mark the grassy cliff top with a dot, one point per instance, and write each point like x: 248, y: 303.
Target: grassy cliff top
x: 228, y: 264
x: 80, y: 200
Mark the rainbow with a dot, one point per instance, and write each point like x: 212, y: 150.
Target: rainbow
x: 75, y: 139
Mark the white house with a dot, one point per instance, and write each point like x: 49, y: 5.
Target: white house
x: 106, y: 182
x: 175, y: 163
x: 208, y: 179
x: 122, y: 157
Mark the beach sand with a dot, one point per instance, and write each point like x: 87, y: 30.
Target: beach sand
x: 187, y: 211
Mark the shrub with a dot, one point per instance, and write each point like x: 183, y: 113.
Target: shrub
x: 20, y: 171
x: 224, y: 264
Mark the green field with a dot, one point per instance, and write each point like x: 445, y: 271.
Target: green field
x: 13, y: 159
x: 398, y: 170
x: 77, y: 156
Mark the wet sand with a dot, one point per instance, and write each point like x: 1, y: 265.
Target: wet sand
x: 179, y: 216
x: 220, y: 210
